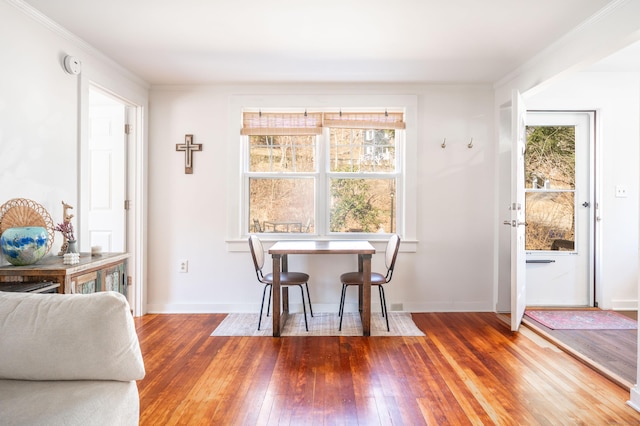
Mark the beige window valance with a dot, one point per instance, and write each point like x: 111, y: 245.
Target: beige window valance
x: 274, y: 124
x: 311, y: 123
x: 364, y: 120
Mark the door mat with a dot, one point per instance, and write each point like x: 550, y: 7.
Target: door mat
x: 556, y: 319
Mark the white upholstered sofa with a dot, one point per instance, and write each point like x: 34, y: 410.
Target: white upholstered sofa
x: 68, y: 359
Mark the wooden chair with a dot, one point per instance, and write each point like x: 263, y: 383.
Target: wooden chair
x: 356, y: 278
x: 286, y: 279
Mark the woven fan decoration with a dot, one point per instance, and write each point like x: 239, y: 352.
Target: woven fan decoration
x: 20, y: 212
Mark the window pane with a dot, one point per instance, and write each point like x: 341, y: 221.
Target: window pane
x: 282, y: 153
x: 362, y: 151
x: 550, y: 157
x: 550, y: 223
x: 363, y: 205
x: 281, y: 205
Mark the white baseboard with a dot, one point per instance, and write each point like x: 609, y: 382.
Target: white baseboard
x: 624, y: 305
x: 634, y: 402
x: 222, y: 308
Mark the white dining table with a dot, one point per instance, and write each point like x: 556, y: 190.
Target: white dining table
x: 282, y: 249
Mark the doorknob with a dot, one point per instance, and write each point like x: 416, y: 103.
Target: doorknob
x: 585, y: 204
x: 514, y: 223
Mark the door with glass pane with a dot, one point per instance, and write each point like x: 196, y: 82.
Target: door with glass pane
x: 559, y: 208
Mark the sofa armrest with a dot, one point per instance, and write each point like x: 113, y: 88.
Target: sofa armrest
x: 68, y: 337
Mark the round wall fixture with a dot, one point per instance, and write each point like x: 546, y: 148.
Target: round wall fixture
x: 72, y: 65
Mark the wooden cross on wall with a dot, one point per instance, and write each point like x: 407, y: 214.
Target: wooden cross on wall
x: 188, y: 147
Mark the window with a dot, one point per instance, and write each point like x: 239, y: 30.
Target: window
x: 281, y: 183
x: 322, y: 173
x: 550, y: 176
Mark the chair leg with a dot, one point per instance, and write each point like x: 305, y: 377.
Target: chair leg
x: 264, y: 291
x: 308, y: 298
x: 269, y: 304
x: 383, y: 302
x: 304, y: 309
x: 341, y: 309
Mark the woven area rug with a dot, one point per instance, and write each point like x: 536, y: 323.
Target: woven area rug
x: 321, y: 324
x: 582, y: 319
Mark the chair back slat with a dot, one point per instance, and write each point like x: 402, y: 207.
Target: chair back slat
x: 390, y: 255
x: 257, y: 253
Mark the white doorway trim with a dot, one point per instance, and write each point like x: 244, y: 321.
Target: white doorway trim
x: 136, y: 192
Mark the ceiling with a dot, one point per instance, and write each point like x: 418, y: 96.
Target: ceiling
x: 257, y: 41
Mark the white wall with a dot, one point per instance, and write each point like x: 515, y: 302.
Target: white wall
x: 450, y: 269
x: 38, y: 116
x: 41, y: 108
x: 614, y: 28
x: 616, y: 99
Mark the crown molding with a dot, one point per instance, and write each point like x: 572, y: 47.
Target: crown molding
x: 583, y: 34
x: 59, y: 30
x: 48, y: 23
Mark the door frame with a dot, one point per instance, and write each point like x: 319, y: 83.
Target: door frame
x: 135, y: 190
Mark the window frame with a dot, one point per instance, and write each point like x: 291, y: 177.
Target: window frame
x: 406, y: 191
x: 245, y: 221
x: 400, y: 136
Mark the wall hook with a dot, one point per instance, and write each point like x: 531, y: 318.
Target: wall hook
x: 444, y: 143
x: 470, y: 145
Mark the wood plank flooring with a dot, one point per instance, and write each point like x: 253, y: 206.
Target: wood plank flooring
x: 468, y: 369
x: 611, y: 352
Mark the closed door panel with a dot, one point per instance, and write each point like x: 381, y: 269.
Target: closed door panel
x: 107, y: 174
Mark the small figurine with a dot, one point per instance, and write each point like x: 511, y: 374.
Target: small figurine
x: 66, y: 220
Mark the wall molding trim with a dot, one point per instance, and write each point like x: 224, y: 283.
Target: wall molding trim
x: 59, y: 30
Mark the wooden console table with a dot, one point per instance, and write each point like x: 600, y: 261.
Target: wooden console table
x: 106, y: 272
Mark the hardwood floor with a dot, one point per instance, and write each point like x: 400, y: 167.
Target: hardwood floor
x: 468, y: 369
x: 613, y: 353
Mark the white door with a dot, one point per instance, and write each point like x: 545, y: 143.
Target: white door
x: 107, y: 173
x: 560, y: 202
x: 518, y: 255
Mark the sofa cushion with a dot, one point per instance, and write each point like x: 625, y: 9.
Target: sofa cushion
x: 83, y: 402
x: 68, y: 337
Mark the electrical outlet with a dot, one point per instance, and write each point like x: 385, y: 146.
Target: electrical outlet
x: 621, y: 191
x: 183, y: 266
x: 397, y: 307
